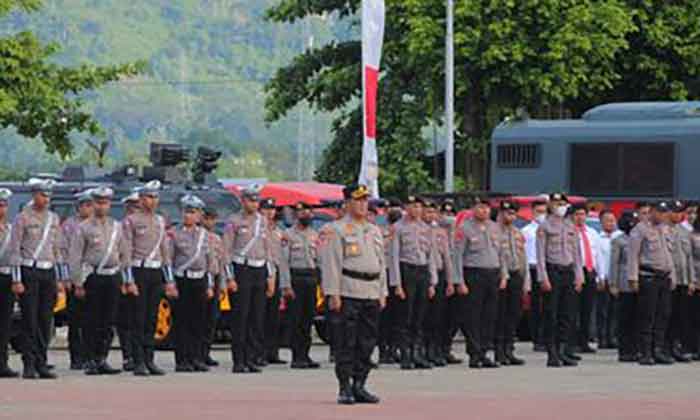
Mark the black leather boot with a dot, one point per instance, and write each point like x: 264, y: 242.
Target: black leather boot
x: 553, y: 357
x: 501, y: 354
x: 345, y: 394
x: 153, y: 369
x: 362, y: 396
x: 661, y: 357
x: 513, y: 360
x: 419, y: 360
x: 406, y: 359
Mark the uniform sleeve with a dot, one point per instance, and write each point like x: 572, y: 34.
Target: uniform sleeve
x: 460, y: 247
x: 635, y: 247
x: 75, y: 257
x: 433, y: 259
x: 600, y: 264
x: 286, y: 280
x: 447, y: 261
x: 127, y: 231
x: 165, y: 247
x: 384, y: 289
x: 58, y: 241
x: 331, y: 264
x: 229, y: 238
x: 541, y: 247
x: 15, y: 248
x: 123, y: 249
x: 503, y: 256
x: 394, y: 254
x: 689, y: 256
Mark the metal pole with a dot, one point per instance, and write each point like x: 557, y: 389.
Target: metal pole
x: 449, y: 99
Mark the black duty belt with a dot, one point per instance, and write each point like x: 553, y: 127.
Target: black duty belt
x: 645, y: 270
x: 560, y: 268
x: 303, y: 272
x: 357, y: 275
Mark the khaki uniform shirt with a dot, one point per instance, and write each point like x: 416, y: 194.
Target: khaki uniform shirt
x: 558, y: 243
x: 142, y: 231
x: 346, y: 244
x: 650, y: 245
x: 413, y: 244
x: 444, y: 254
x: 300, y: 250
x: 239, y: 232
x: 28, y: 231
x: 89, y: 247
x: 183, y: 248
x: 5, y: 245
x: 682, y: 255
x: 619, y: 254
x: 514, y: 253
x: 478, y: 245
x: 695, y: 251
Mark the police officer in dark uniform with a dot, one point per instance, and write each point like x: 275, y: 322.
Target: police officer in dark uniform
x: 353, y: 279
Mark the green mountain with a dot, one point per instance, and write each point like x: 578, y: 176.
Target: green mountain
x: 208, y: 62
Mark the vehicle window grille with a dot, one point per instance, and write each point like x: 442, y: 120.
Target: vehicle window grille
x: 518, y: 155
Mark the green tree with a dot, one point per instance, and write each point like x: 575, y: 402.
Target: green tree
x: 508, y: 53
x: 41, y: 99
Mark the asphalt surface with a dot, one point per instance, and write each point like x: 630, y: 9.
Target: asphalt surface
x: 599, y: 389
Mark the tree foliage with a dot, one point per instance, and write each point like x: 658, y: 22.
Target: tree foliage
x: 39, y: 98
x: 509, y: 54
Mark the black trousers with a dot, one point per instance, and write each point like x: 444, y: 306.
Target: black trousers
x: 358, y: 327
x: 123, y: 327
x: 456, y: 308
x: 606, y: 316
x: 143, y: 312
x: 482, y: 308
x: 436, y: 316
x: 272, y: 323
x: 211, y: 320
x: 37, y: 304
x: 695, y: 330
x: 101, y: 303
x: 509, y: 310
x: 581, y: 327
x: 301, y: 311
x: 387, y: 320
x: 536, y: 313
x: 190, y: 310
x: 627, y: 324
x: 558, y: 305
x: 77, y: 346
x: 247, y: 313
x: 680, y: 323
x: 7, y: 301
x: 653, y: 311
x: 410, y: 312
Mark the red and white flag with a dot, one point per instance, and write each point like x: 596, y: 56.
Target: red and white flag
x: 372, y: 39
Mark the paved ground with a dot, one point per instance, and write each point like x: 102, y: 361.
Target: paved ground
x: 600, y: 389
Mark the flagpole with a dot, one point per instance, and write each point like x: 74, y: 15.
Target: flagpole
x: 449, y: 99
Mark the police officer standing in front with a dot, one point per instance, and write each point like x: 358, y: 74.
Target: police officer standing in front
x: 246, y: 244
x: 131, y: 205
x: 652, y: 274
x: 301, y: 253
x: 414, y: 277
x: 37, y: 253
x: 147, y: 241
x: 353, y: 279
x: 97, y: 257
x: 480, y: 267
x: 194, y: 263
x: 7, y: 297
x: 209, y: 218
x: 77, y: 341
x: 560, y: 273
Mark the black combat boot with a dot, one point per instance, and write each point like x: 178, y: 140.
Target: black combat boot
x: 513, y: 360
x: 553, y: 357
x: 661, y: 357
x: 345, y: 394
x: 406, y: 359
x: 419, y: 360
x: 153, y: 369
x: 677, y: 354
x: 362, y: 396
x: 500, y: 354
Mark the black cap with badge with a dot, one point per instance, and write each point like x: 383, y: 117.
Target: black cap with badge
x: 5, y: 195
x: 558, y: 196
x: 662, y: 206
x: 508, y: 205
x: 414, y: 199
x: 268, y: 203
x: 678, y: 206
x: 356, y: 192
x: 301, y: 206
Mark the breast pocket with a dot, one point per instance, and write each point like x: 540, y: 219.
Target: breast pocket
x: 140, y: 230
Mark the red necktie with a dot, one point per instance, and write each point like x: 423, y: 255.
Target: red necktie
x: 587, y: 253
